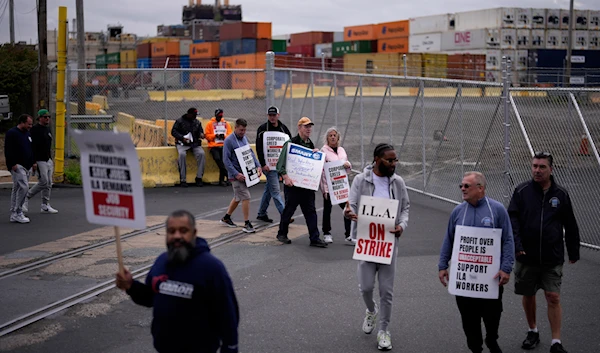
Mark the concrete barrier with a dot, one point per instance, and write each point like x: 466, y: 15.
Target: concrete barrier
x: 147, y: 134
x: 299, y: 91
x: 125, y: 123
x: 158, y: 166
x: 101, y: 100
x: 203, y: 95
x: 378, y: 91
x: 90, y: 108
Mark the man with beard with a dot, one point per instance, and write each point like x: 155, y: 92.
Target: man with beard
x: 379, y: 180
x: 188, y: 132
x: 194, y: 305
x: 217, y: 130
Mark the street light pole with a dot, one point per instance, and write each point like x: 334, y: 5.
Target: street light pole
x: 570, y: 44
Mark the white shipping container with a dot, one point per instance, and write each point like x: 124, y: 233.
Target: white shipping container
x: 425, y: 43
x: 323, y: 49
x: 553, y: 19
x: 564, y: 19
x: 523, y: 17
x: 564, y: 39
x: 538, y: 18
x: 594, y: 20
x: 474, y: 39
x: 493, y: 60
x: 523, y: 38
x: 553, y: 38
x: 521, y: 60
x: 184, y: 47
x: 432, y: 24
x: 581, y: 19
x: 508, y: 39
x: 338, y: 37
x: 496, y: 76
x: 581, y: 40
x: 490, y: 18
x: 538, y: 39
x: 594, y: 42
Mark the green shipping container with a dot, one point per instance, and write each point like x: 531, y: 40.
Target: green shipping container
x: 101, y: 70
x: 101, y: 60
x: 114, y: 79
x: 361, y: 46
x: 279, y: 45
x: 113, y: 58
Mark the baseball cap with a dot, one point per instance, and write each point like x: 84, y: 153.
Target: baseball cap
x: 273, y: 110
x: 219, y: 111
x: 192, y: 111
x: 43, y: 112
x: 305, y: 121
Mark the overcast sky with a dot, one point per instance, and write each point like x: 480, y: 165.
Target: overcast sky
x: 142, y: 16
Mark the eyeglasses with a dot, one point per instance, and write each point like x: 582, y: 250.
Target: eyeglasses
x: 391, y: 160
x: 466, y: 186
x: 46, y: 116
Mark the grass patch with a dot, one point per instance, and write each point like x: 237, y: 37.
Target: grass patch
x: 72, y: 172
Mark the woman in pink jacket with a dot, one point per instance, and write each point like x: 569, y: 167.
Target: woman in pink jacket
x: 333, y: 152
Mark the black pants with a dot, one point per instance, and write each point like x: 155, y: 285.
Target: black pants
x: 217, y: 154
x: 327, y: 216
x: 304, y: 198
x: 472, y: 310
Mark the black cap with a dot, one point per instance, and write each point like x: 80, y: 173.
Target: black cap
x: 192, y: 111
x: 273, y: 110
x: 219, y: 111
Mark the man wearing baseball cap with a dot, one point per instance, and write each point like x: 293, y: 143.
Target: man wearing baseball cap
x: 188, y: 132
x: 295, y: 196
x: 217, y: 130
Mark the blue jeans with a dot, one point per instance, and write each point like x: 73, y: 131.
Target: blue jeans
x: 271, y: 191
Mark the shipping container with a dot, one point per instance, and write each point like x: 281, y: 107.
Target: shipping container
x: 248, y: 80
x: 237, y: 47
x: 248, y: 61
x: 143, y: 50
x: 373, y: 63
x: 553, y: 19
x: 323, y: 50
x: 594, y: 17
x: 128, y: 57
x: 521, y: 59
x: 361, y: 46
x: 493, y: 59
x: 263, y: 46
x: 208, y: 32
x: 564, y: 39
x: 129, y: 65
x: 538, y: 18
x: 226, y: 62
x: 523, y: 38
x: 210, y: 80
x: 432, y: 24
x: 523, y: 17
x: 594, y: 43
x: 112, y: 75
x: 582, y: 19
x: 184, y: 47
x: 425, y: 43
x: 466, y: 67
x: 157, y: 40
x: 502, y: 17
x: 245, y: 30
x: 310, y: 38
x: 184, y: 62
x: 581, y: 40
x: 205, y: 50
x: 338, y: 36
x: 204, y: 63
x: 364, y: 32
x: 538, y: 39
x: 302, y: 50
x: 171, y: 78
x: 475, y: 39
x: 393, y: 29
x: 508, y: 39
x: 393, y: 45
x: 113, y: 58
x: 556, y: 59
x: 101, y: 60
x: 279, y: 45
x: 435, y: 65
x: 564, y: 19
x: 553, y: 39
x: 165, y: 49
x: 172, y: 62
x: 144, y: 63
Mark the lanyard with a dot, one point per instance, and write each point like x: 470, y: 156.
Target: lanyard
x: 490, y: 208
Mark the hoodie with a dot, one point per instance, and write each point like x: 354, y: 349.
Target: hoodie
x: 194, y: 306
x: 183, y: 126
x: 212, y: 127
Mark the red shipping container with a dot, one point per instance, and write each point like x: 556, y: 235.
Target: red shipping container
x: 466, y: 67
x: 240, y: 30
x: 263, y: 45
x: 310, y: 38
x: 204, y: 63
x: 337, y: 64
x: 159, y: 62
x: 303, y: 50
x: 143, y: 51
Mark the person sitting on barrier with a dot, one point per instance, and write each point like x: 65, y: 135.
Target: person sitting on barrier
x: 194, y: 304
x: 217, y: 130
x: 188, y: 132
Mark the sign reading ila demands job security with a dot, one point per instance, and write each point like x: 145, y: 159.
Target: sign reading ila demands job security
x: 376, y: 219
x: 245, y: 157
x: 112, y: 184
x: 337, y: 182
x: 304, y: 166
x: 272, y: 145
x: 475, y: 262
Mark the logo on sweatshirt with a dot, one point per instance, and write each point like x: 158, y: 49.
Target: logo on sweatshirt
x: 554, y: 202
x: 176, y: 289
x: 486, y: 221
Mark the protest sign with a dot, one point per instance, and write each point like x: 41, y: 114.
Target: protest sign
x: 272, y: 146
x: 304, y: 166
x: 337, y: 182
x: 376, y: 219
x: 220, y: 131
x: 245, y: 157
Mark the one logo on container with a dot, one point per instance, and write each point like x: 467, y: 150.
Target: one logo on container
x: 349, y: 33
x: 383, y: 29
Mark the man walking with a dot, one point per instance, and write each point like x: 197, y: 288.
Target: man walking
x: 41, y: 139
x: 188, y: 132
x: 190, y: 291
x: 479, y: 211
x: 19, y: 160
x: 379, y: 180
x: 541, y: 213
x: 217, y: 130
x: 272, y: 186
x: 295, y: 196
x: 241, y: 193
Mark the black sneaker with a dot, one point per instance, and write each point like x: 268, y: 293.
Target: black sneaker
x: 284, y: 239
x: 318, y: 243
x: 265, y: 218
x: 291, y: 220
x: 248, y: 228
x: 228, y: 222
x: 183, y: 184
x: 531, y: 341
x: 493, y: 346
x: 222, y: 183
x: 199, y: 182
x: 557, y: 348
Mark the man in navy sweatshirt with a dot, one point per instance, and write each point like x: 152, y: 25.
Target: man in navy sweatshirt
x: 479, y: 211
x: 194, y: 305
x: 19, y: 160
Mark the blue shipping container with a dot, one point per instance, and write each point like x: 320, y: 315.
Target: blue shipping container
x: 237, y: 47
x: 184, y: 62
x: 281, y: 78
x: 144, y: 63
x: 555, y: 58
x: 196, y: 41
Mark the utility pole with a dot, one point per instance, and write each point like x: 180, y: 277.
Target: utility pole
x: 42, y: 86
x: 11, y: 17
x: 570, y: 45
x: 81, y: 79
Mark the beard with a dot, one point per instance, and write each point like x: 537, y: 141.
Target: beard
x: 386, y: 171
x: 218, y: 118
x: 179, y: 251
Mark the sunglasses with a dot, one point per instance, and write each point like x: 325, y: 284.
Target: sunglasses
x: 391, y: 160
x: 466, y: 186
x: 542, y: 155
x: 46, y: 116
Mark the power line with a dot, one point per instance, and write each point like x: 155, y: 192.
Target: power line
x: 28, y: 12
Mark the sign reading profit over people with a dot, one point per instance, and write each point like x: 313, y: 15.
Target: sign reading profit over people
x: 110, y: 173
x: 304, y: 166
x: 376, y: 219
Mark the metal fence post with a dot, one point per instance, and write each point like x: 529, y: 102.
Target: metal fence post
x: 506, y: 104
x: 404, y: 62
x: 312, y: 94
x: 165, y: 91
x: 270, y: 79
x: 362, y: 126
x: 335, y: 106
x: 462, y: 131
x: 422, y: 89
x: 68, y: 113
x: 391, y: 116
x: 291, y: 100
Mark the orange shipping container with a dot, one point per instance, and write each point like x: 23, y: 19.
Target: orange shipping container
x: 164, y: 49
x: 393, y: 45
x: 250, y: 80
x: 263, y: 30
x: 226, y: 62
x: 204, y: 50
x: 393, y: 29
x: 249, y: 61
x: 365, y: 32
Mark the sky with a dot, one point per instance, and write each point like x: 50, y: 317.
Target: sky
x: 142, y: 16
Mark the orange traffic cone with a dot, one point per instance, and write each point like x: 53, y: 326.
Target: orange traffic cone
x: 584, y: 146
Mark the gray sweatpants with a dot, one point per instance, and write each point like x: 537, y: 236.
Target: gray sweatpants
x: 198, y: 153
x: 44, y: 185
x: 366, y: 283
x: 20, y: 188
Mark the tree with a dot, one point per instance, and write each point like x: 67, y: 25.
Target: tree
x: 17, y: 63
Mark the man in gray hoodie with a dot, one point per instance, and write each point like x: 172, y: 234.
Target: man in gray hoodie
x: 379, y: 180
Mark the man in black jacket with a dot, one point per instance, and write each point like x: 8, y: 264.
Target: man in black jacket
x: 188, y: 132
x: 194, y: 305
x: 540, y: 211
x: 41, y: 141
x: 19, y: 160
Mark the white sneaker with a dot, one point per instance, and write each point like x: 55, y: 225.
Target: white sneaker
x: 350, y: 241
x: 369, y: 321
x: 25, y: 207
x: 19, y: 218
x: 48, y: 209
x: 328, y: 238
x: 384, y: 340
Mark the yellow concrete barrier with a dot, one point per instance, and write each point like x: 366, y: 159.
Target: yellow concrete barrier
x: 299, y: 91
x: 378, y: 91
x: 90, y: 108
x: 493, y: 91
x: 472, y: 92
x: 170, y: 123
x: 125, y: 123
x: 147, y: 134
x: 204, y: 95
x: 101, y: 100
x: 158, y: 166
x: 529, y: 94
